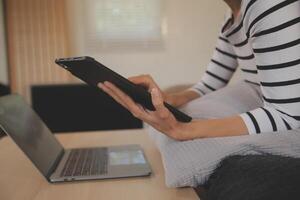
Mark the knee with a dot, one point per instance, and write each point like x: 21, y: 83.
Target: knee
x: 197, y: 109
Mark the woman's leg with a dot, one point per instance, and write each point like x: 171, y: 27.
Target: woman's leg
x: 231, y: 100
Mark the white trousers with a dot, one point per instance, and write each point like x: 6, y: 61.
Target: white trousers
x: 231, y: 100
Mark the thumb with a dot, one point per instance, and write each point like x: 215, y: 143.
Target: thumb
x: 158, y: 103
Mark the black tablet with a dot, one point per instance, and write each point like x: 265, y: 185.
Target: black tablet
x: 93, y: 72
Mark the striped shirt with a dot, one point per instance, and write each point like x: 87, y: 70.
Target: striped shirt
x: 264, y: 42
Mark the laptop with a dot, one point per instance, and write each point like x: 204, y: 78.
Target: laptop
x: 56, y: 164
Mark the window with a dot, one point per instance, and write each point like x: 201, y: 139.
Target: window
x: 111, y: 24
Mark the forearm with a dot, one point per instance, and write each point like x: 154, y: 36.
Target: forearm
x: 181, y: 98
x: 232, y: 126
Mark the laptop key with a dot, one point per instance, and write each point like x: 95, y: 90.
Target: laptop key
x: 86, y: 162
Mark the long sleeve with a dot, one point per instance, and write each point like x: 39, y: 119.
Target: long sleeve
x: 273, y: 30
x: 221, y: 67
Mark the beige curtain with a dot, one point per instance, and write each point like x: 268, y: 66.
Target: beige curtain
x: 37, y: 34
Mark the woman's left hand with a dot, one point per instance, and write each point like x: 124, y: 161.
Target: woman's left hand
x: 161, y: 119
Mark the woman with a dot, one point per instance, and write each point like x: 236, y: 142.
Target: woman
x: 263, y: 38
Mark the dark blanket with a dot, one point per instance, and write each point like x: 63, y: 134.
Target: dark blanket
x: 4, y: 90
x: 254, y: 177
x: 1, y: 133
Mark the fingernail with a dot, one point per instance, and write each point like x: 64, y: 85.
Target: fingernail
x: 100, y: 85
x: 106, y: 83
x: 155, y: 92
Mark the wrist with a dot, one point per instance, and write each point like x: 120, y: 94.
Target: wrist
x: 181, y: 98
x: 169, y: 99
x: 181, y: 131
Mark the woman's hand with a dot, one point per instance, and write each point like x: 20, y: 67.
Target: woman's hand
x: 164, y: 121
x: 175, y: 99
x: 161, y: 119
x: 147, y: 82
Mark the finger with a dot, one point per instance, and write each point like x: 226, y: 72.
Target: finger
x: 158, y: 103
x: 140, y: 79
x: 121, y: 95
x: 147, y: 117
x: 144, y: 80
x: 130, y: 104
x: 140, y: 112
x: 112, y: 94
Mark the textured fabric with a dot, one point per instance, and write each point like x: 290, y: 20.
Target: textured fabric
x: 189, y: 163
x: 254, y: 177
x: 265, y: 43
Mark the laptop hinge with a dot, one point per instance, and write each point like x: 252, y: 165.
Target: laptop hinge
x: 55, y: 164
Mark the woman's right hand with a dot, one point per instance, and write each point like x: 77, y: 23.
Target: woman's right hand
x: 175, y: 99
x: 145, y: 81
x: 148, y: 83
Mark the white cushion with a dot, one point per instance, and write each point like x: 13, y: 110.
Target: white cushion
x: 190, y: 163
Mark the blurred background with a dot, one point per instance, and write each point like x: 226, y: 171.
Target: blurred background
x: 172, y: 40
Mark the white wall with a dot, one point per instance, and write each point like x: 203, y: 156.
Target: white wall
x: 193, y: 27
x: 3, y: 58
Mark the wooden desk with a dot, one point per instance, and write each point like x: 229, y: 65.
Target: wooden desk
x: 20, y: 180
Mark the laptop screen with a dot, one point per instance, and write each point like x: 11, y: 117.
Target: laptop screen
x: 28, y: 131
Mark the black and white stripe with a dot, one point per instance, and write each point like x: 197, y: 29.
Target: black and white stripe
x: 278, y: 28
x: 276, y: 58
x: 271, y: 119
x: 273, y: 66
x: 254, y: 121
x: 269, y: 11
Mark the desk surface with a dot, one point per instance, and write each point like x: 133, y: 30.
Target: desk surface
x: 19, y: 179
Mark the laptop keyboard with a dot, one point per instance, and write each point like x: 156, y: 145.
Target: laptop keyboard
x: 86, y: 162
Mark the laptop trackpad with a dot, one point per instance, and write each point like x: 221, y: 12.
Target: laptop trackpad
x: 126, y: 157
